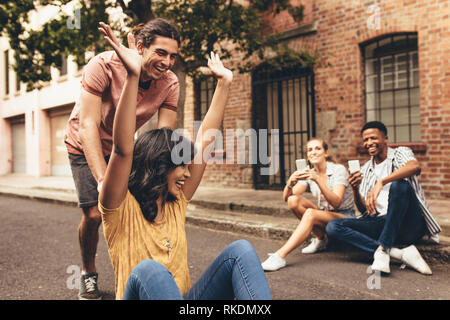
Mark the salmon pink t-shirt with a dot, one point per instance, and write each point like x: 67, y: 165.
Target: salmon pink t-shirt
x: 104, y: 76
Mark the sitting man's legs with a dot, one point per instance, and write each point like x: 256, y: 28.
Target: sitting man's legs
x: 403, y: 223
x: 361, y: 233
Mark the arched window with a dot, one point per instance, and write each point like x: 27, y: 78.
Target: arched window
x: 391, y: 68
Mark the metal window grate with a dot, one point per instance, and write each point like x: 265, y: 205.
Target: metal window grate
x: 283, y: 100
x: 204, y: 91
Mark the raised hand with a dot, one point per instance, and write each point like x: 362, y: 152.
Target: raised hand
x: 130, y: 57
x: 215, y: 67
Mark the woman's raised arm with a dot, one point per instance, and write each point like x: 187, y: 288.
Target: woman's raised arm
x: 115, y: 184
x: 212, y: 120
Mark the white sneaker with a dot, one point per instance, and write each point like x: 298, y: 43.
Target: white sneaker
x: 412, y: 258
x: 316, y: 245
x: 381, y: 261
x: 273, y: 263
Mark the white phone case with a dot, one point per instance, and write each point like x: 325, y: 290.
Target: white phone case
x: 353, y: 166
x: 300, y: 164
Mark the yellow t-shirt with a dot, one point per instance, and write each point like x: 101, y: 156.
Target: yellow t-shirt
x: 132, y: 239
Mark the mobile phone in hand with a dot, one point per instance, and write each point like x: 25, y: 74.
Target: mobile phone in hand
x: 300, y: 164
x: 353, y: 166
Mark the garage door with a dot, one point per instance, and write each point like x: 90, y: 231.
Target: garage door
x: 18, y: 146
x: 60, y: 161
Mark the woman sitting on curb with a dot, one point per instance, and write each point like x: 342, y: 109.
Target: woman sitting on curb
x: 328, y: 183
x: 144, y: 198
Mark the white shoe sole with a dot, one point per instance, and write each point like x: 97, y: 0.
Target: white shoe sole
x: 379, y: 268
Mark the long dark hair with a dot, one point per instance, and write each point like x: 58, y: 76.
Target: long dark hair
x: 152, y: 162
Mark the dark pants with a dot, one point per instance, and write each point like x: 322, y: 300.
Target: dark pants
x: 403, y: 224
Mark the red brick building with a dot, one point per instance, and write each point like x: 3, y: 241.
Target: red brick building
x: 388, y: 61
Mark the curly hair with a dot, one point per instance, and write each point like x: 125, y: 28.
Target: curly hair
x: 375, y: 125
x: 152, y: 162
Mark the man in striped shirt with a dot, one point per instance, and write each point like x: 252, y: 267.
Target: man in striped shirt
x: 392, y: 203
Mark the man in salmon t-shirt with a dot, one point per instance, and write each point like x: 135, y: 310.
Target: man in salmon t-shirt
x: 88, y: 133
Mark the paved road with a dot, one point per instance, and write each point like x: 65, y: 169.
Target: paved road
x: 39, y: 257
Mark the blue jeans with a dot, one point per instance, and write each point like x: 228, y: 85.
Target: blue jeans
x: 235, y: 274
x: 403, y: 224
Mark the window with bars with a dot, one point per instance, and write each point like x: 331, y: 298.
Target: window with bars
x: 283, y: 100
x: 204, y: 91
x: 392, y: 85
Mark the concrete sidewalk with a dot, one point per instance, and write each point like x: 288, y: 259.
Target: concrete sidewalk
x: 257, y: 212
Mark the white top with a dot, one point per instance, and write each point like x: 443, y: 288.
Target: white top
x: 397, y: 158
x: 382, y: 170
x: 336, y: 174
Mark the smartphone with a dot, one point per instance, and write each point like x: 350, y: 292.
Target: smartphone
x: 301, y: 164
x: 353, y: 166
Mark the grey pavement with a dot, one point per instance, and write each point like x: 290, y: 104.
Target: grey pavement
x: 260, y: 213
x: 40, y: 260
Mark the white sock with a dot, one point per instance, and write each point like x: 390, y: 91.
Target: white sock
x: 396, y: 253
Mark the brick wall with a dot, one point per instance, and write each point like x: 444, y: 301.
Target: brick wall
x: 341, y: 27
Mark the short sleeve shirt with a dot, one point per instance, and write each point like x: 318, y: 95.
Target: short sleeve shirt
x: 337, y: 175
x: 397, y: 158
x: 104, y: 76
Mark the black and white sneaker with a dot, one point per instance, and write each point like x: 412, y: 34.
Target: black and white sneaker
x: 88, y: 287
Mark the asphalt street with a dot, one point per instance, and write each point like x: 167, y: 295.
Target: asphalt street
x: 39, y: 260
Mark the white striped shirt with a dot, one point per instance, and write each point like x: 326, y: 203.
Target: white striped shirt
x: 397, y: 158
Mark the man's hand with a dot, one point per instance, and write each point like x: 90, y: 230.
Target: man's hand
x: 355, y: 179
x: 371, y: 199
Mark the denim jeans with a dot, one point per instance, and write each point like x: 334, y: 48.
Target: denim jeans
x: 403, y: 224
x: 235, y: 274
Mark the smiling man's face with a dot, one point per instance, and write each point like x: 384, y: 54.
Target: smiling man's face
x: 158, y: 58
x: 375, y: 142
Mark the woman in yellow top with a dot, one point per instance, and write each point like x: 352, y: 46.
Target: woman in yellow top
x: 144, y: 196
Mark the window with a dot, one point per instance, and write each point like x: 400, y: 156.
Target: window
x: 204, y: 91
x: 283, y: 100
x: 6, y: 55
x: 392, y: 85
x: 17, y: 83
x: 63, y: 70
